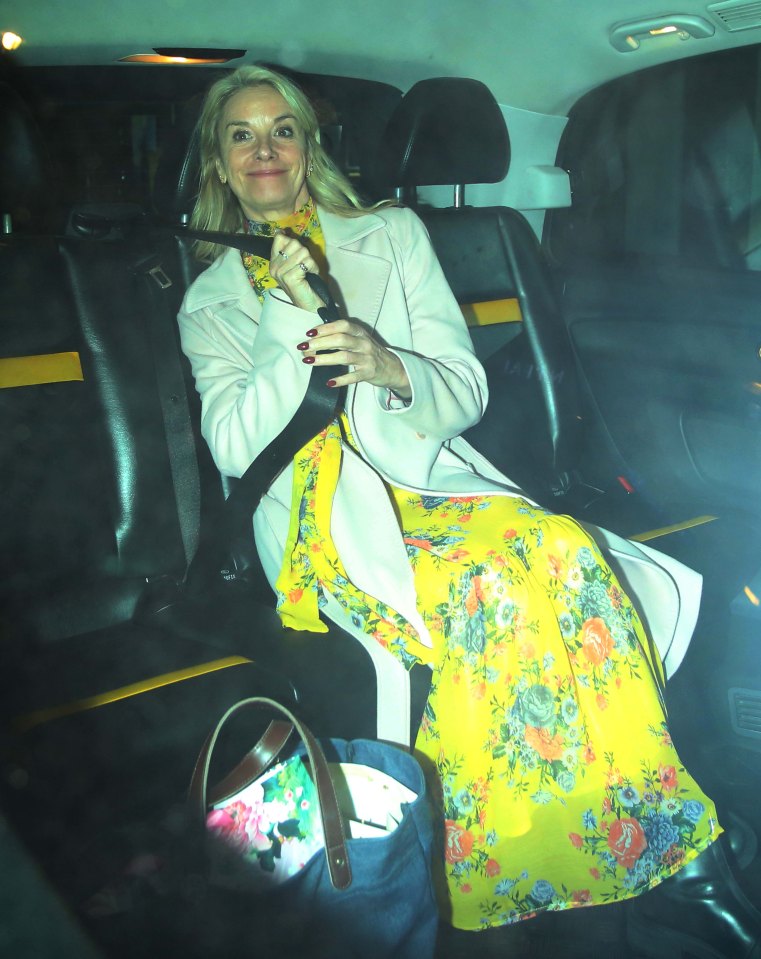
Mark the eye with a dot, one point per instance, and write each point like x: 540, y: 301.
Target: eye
x: 285, y: 131
x: 239, y: 136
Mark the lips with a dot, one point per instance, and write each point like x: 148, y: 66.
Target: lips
x: 266, y: 173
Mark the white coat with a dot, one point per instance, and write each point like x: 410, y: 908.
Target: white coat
x: 251, y: 380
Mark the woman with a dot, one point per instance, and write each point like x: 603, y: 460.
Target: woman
x: 559, y: 783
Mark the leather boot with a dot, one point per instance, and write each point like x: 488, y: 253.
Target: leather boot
x: 699, y: 913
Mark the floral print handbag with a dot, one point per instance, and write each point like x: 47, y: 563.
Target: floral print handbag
x: 335, y: 841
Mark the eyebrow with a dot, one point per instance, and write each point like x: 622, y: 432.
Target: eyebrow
x: 245, y: 123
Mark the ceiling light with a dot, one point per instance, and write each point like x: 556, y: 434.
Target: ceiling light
x: 184, y: 55
x: 11, y: 41
x: 626, y: 37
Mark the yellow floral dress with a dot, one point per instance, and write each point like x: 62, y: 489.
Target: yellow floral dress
x: 557, y: 780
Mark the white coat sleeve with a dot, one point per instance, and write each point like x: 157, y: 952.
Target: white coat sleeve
x: 449, y: 391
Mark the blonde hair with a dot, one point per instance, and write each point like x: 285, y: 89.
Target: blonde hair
x: 217, y: 207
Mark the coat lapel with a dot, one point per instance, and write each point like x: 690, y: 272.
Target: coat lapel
x: 360, y: 279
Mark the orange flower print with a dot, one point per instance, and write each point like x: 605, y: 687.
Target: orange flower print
x: 466, y: 887
x: 596, y: 641
x: 295, y: 595
x: 509, y: 534
x: 527, y: 650
x: 456, y: 554
x: 581, y: 896
x: 626, y: 840
x: 667, y: 776
x: 493, y: 868
x: 555, y: 566
x: 458, y: 842
x: 576, y: 841
x: 602, y: 702
x: 471, y: 602
x: 420, y: 543
x: 479, y: 691
x: 589, y: 754
x: 549, y: 747
x: 594, y: 873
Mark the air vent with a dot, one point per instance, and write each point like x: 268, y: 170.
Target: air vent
x: 737, y: 14
x: 745, y: 711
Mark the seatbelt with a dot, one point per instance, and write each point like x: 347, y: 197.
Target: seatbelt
x: 232, y: 553
x: 175, y: 409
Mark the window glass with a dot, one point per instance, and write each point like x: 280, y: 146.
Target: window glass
x: 665, y: 163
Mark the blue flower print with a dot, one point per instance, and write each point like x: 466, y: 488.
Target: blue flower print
x: 628, y: 796
x: 566, y: 780
x: 504, y: 887
x: 569, y: 710
x: 693, y: 809
x: 589, y: 819
x: 542, y: 891
x: 660, y: 833
x: 537, y: 706
x: 586, y: 558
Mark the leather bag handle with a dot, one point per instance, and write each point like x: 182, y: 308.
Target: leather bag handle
x: 265, y: 751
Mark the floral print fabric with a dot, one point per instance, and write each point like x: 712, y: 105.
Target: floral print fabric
x: 559, y: 783
x: 557, y: 780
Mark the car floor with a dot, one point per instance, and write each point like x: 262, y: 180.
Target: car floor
x: 574, y: 934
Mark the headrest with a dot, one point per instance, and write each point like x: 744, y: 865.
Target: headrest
x: 27, y: 182
x: 178, y: 175
x: 445, y: 131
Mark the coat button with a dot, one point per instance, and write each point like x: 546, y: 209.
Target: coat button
x: 420, y: 436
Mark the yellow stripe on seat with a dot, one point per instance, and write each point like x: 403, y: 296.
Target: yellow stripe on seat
x: 676, y: 528
x: 35, y: 370
x: 40, y: 716
x: 491, y: 312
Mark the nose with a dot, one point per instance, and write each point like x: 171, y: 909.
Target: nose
x: 266, y: 149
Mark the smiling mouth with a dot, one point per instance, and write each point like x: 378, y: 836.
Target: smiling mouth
x: 267, y: 172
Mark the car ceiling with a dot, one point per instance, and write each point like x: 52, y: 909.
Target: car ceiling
x: 538, y: 55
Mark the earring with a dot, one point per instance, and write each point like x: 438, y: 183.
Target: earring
x: 222, y: 179
x: 309, y: 170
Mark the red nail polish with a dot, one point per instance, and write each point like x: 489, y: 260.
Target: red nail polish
x: 311, y: 333
x: 331, y: 382
x: 303, y: 346
x: 308, y: 359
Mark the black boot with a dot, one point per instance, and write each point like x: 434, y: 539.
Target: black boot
x: 698, y: 913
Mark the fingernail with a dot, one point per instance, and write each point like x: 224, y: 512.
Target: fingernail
x: 308, y: 359
x: 331, y: 382
x: 303, y: 346
x: 311, y: 333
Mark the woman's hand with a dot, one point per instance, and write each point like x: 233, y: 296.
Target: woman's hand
x: 290, y: 261
x: 356, y: 347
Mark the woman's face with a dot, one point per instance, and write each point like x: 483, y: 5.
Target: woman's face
x: 262, y: 154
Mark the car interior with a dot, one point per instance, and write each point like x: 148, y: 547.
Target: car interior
x: 590, y: 178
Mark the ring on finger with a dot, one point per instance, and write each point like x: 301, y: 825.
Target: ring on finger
x: 284, y: 254
x: 303, y: 267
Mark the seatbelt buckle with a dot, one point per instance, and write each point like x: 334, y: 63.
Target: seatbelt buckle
x: 159, y: 277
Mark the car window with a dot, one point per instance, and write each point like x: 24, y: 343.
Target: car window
x: 665, y: 163
x: 107, y: 129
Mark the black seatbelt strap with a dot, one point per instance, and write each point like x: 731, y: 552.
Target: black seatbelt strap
x: 175, y: 410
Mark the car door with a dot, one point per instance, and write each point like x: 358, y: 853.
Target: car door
x: 659, y: 262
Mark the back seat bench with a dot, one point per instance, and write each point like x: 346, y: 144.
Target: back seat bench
x: 112, y: 674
